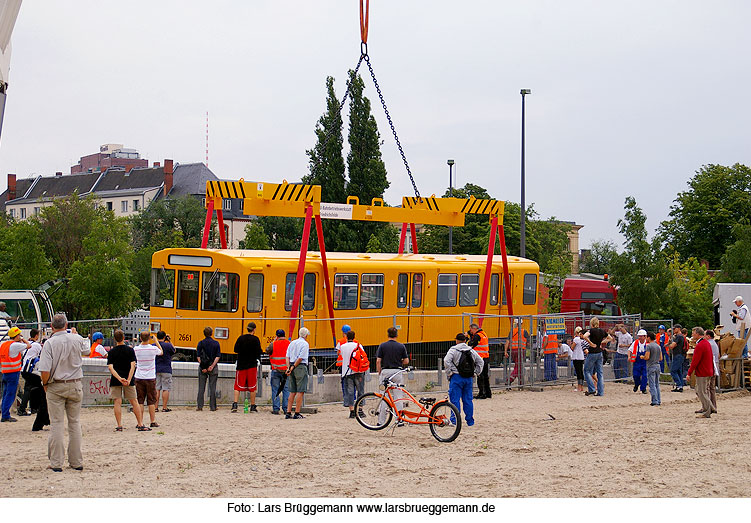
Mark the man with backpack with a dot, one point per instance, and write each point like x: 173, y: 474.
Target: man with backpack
x: 462, y: 363
x: 354, y: 365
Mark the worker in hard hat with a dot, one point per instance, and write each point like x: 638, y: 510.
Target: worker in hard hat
x: 638, y: 350
x: 97, y: 349
x: 11, y: 359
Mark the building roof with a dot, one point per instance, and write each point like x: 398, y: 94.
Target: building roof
x: 51, y: 186
x: 190, y: 178
x: 119, y: 179
x: 22, y: 186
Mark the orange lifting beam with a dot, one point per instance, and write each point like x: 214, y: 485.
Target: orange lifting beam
x: 301, y: 200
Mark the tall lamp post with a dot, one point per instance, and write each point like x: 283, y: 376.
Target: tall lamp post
x: 451, y: 194
x: 523, y: 230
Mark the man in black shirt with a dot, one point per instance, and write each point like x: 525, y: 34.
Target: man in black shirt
x: 596, y: 337
x: 248, y: 350
x: 390, y: 358
x: 677, y: 355
x: 208, y: 351
x: 121, y: 361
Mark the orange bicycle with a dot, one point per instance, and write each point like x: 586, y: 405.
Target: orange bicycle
x: 374, y: 411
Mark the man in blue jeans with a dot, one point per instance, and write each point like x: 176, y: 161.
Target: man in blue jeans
x: 596, y: 337
x: 677, y: 355
x: 277, y: 351
x: 460, y: 376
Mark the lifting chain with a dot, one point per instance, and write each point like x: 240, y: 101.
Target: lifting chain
x: 391, y: 123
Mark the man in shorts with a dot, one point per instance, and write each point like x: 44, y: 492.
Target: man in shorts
x: 164, y: 371
x: 248, y: 350
x: 297, y: 372
x: 146, y: 373
x: 121, y: 361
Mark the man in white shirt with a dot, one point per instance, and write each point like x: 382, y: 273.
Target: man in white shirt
x: 297, y: 372
x: 146, y: 354
x: 742, y: 321
x: 620, y: 362
x: 32, y: 391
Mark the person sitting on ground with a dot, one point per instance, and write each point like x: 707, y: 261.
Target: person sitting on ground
x: 146, y: 354
x: 121, y: 361
x: 248, y: 350
x: 462, y: 363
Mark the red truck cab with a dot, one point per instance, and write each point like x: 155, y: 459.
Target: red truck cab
x: 591, y: 296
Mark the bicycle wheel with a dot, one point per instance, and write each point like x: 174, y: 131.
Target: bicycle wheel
x: 445, y: 421
x: 372, y: 411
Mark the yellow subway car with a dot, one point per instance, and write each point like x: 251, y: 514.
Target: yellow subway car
x: 423, y: 295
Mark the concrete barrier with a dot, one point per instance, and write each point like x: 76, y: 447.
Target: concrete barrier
x: 322, y: 388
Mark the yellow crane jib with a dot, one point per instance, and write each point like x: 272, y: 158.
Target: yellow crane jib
x: 378, y: 212
x: 266, y: 199
x: 469, y: 205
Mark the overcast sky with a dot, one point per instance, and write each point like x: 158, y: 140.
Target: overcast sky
x: 628, y: 98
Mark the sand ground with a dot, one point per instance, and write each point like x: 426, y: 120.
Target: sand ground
x: 614, y: 446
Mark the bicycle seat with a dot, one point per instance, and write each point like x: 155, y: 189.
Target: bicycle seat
x: 427, y: 401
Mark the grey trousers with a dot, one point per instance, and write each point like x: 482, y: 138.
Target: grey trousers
x: 64, y: 400
x: 395, y: 394
x: 702, y: 384
x: 712, y: 392
x: 212, y: 377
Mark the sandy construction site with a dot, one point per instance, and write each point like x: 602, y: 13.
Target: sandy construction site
x: 614, y: 446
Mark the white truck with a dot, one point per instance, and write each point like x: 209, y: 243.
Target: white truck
x: 722, y: 302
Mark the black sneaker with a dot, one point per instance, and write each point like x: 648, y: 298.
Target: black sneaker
x: 352, y: 414
x: 21, y: 413
x: 287, y: 415
x: 253, y: 408
x: 234, y: 407
x: 11, y: 419
x: 275, y: 412
x: 636, y: 387
x: 644, y: 392
x: 298, y: 416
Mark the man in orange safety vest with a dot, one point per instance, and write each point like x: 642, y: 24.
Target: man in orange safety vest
x: 277, y: 351
x: 478, y: 340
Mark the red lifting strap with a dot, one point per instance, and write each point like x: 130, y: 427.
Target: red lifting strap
x: 364, y: 19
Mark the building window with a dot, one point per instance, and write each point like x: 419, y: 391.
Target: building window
x: 23, y: 213
x: 371, y: 296
x: 36, y: 211
x: 135, y: 205
x: 12, y: 213
x: 109, y: 206
x: 227, y: 204
x: 308, y: 297
x: 529, y: 294
x: 124, y: 206
x: 345, y: 291
x: 446, y: 290
x: 469, y: 287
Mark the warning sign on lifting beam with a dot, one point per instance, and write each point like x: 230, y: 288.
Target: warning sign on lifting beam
x: 336, y: 211
x: 555, y: 325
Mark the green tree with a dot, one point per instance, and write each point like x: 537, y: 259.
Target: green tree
x: 255, y: 237
x: 702, y: 218
x: 735, y: 264
x: 155, y: 225
x: 688, y: 295
x: 641, y: 270
x: 600, y: 258
x: 23, y: 264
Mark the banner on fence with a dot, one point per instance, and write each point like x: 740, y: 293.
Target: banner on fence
x: 555, y: 325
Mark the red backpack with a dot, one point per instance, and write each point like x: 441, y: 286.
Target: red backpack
x: 358, y: 361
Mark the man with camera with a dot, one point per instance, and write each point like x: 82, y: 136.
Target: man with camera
x: 742, y: 320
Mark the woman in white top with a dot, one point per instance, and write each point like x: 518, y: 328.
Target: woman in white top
x: 577, y: 358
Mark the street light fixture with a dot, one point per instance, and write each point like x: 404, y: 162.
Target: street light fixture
x: 451, y: 194
x: 523, y: 230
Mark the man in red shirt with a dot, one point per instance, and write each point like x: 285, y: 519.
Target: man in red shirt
x: 703, y: 364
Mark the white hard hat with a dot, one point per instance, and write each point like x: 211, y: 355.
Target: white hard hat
x: 738, y: 298
x: 641, y: 332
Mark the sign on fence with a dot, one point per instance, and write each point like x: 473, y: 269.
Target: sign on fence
x: 555, y: 325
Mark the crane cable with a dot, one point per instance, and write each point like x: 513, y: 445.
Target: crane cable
x: 364, y: 20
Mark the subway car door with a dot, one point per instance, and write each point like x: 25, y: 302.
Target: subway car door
x: 414, y: 306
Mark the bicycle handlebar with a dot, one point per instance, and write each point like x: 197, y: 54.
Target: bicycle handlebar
x: 387, y: 382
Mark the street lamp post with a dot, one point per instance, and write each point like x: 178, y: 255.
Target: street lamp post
x: 523, y: 229
x: 451, y: 194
